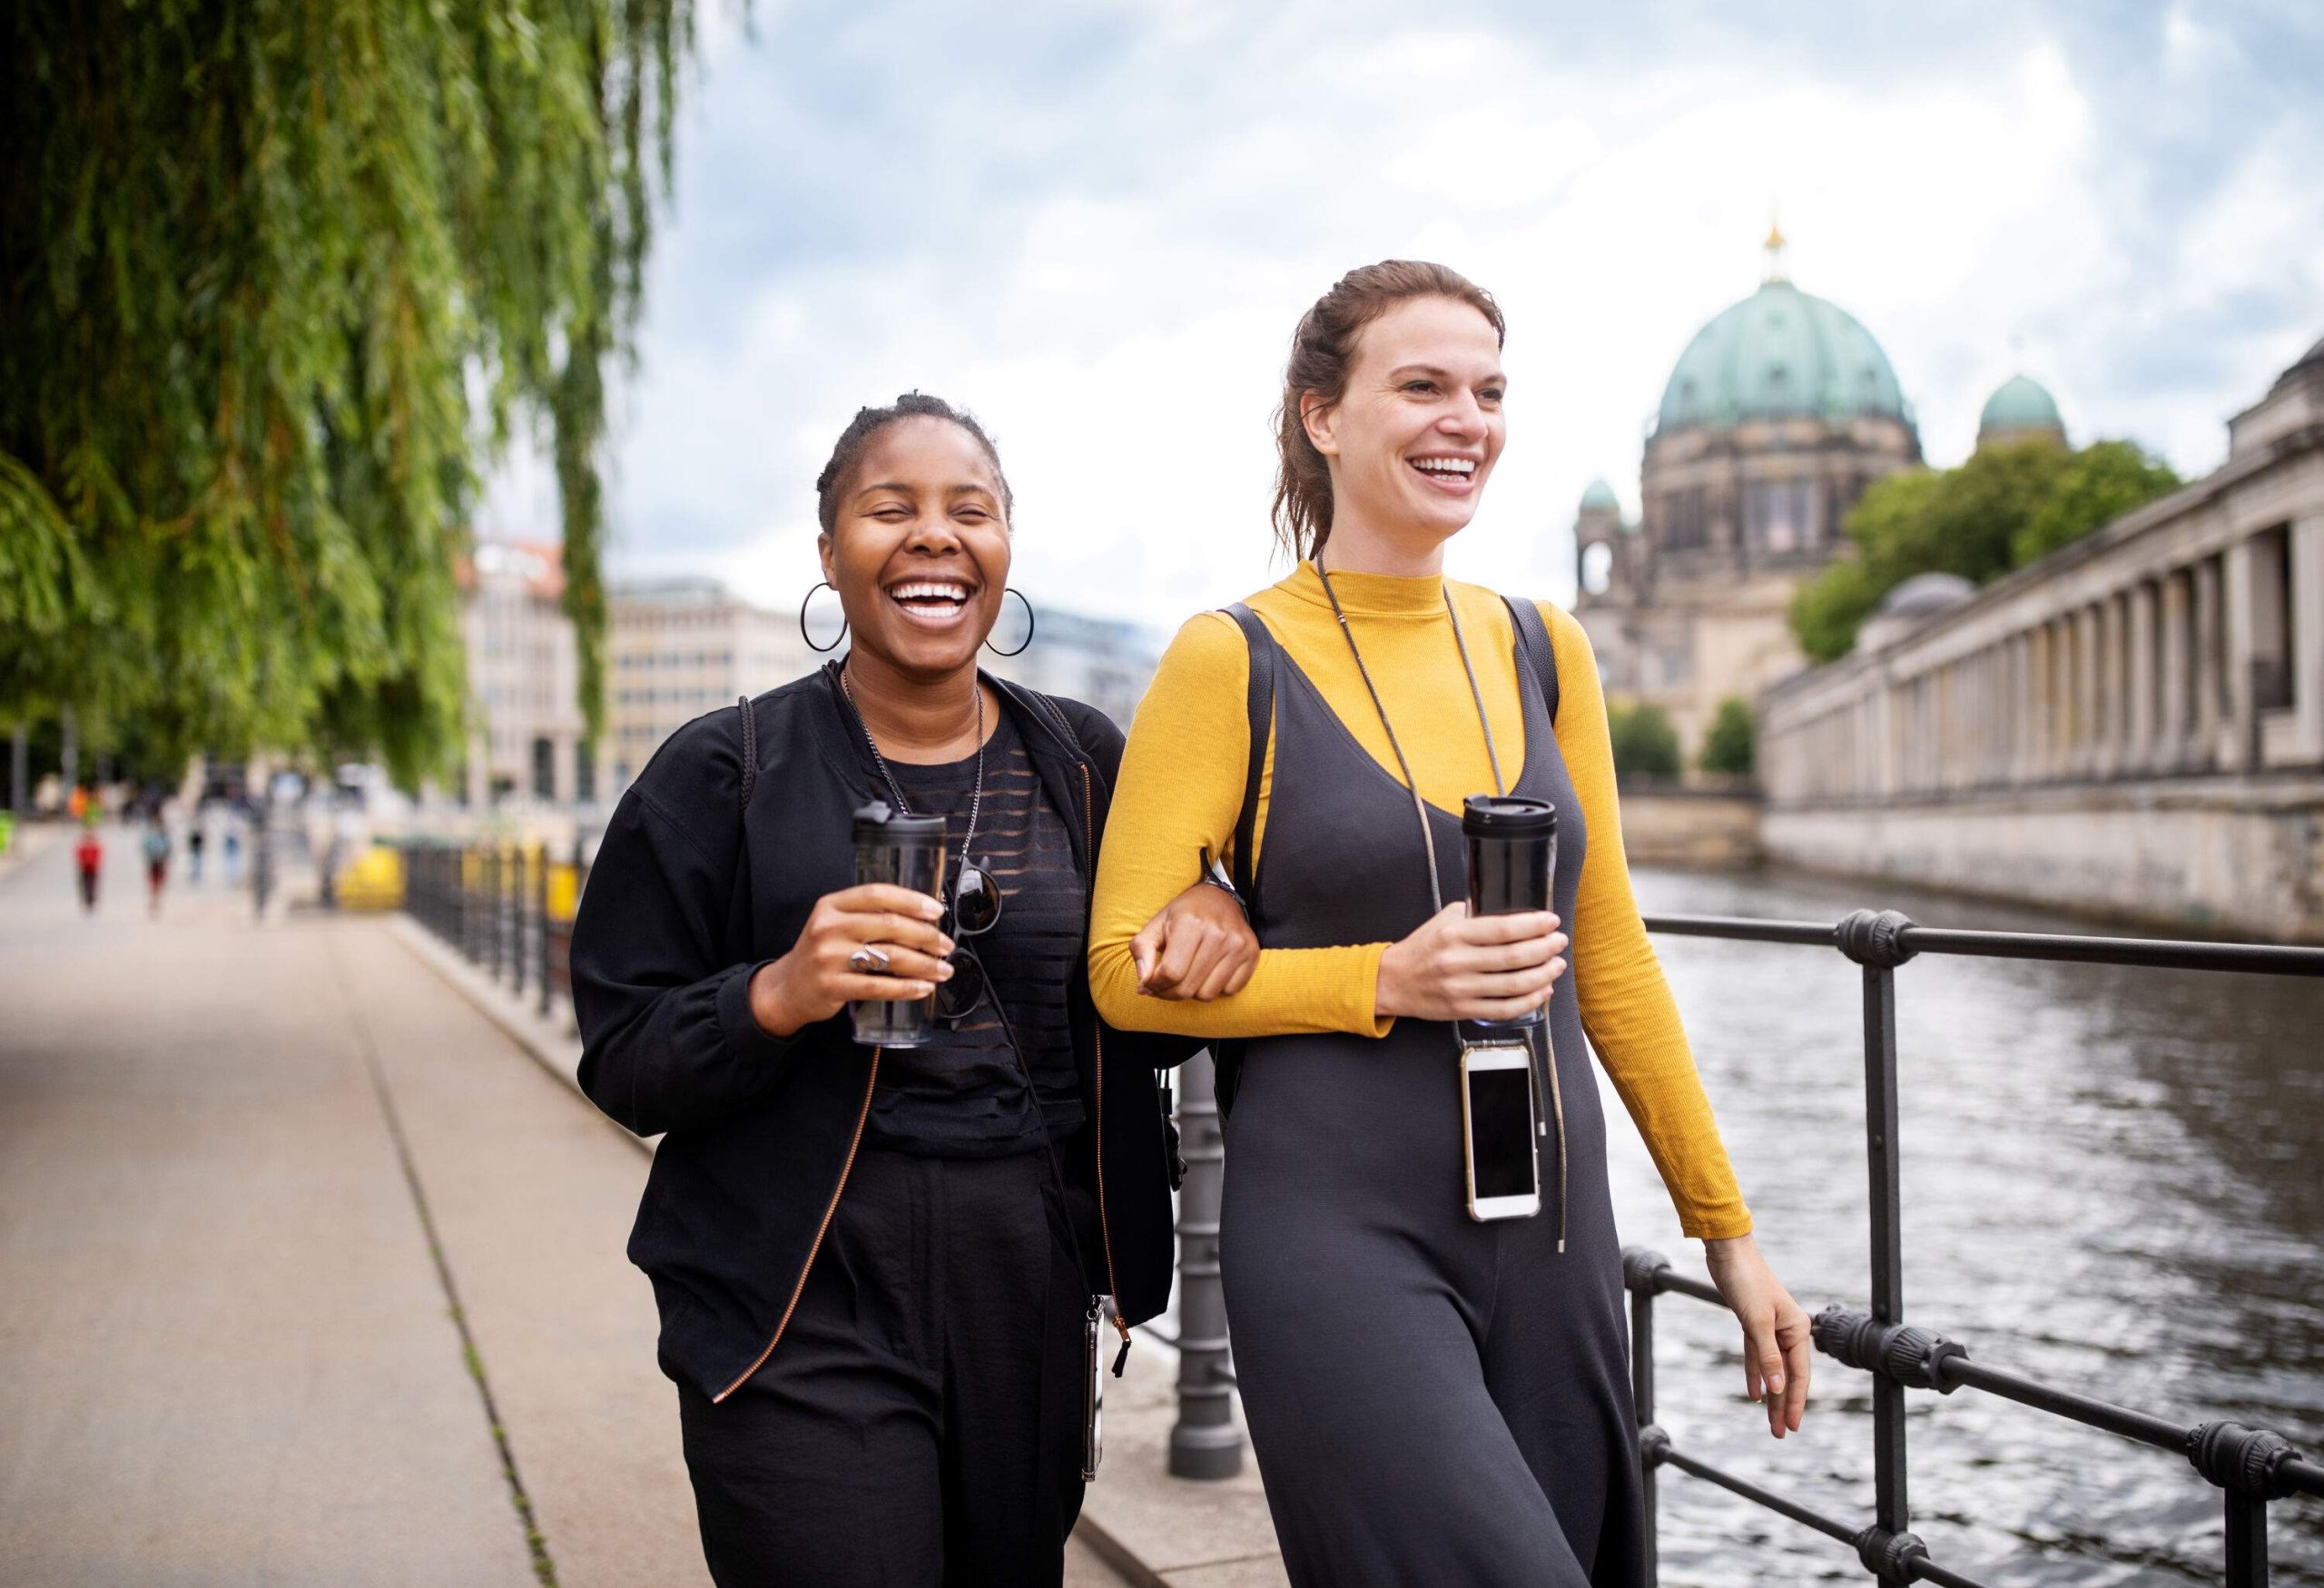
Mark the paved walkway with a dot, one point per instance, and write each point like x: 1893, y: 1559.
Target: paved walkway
x: 245, y: 1174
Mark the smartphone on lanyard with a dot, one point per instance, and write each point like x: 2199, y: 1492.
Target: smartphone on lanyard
x: 1497, y: 1130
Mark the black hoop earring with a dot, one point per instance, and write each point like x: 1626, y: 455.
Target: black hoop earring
x: 820, y: 585
x: 1008, y: 591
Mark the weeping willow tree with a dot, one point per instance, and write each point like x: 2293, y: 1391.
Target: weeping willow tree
x: 277, y: 276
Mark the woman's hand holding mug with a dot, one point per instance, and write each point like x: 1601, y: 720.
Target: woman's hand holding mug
x: 1457, y: 966
x: 821, y: 976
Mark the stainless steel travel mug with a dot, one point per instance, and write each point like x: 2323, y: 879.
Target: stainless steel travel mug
x: 908, y: 850
x: 1512, y: 858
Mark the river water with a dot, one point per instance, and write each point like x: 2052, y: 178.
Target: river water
x: 2112, y: 1183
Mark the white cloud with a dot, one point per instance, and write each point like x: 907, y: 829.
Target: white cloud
x: 1106, y: 262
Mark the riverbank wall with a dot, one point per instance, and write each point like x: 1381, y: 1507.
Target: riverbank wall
x: 1691, y: 827
x: 2238, y: 856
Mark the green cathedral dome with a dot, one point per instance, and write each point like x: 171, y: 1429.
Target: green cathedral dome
x: 2020, y: 404
x: 1601, y: 495
x: 1780, y: 353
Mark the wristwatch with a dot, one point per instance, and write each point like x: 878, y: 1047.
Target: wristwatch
x: 1214, y: 872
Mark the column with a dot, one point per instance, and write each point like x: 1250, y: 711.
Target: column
x: 2088, y: 726
x: 2178, y: 653
x: 2062, y: 725
x: 2119, y: 685
x: 2208, y: 654
x: 2024, y: 708
x: 2140, y: 683
x: 2002, y: 696
x: 2308, y: 634
x: 2240, y: 622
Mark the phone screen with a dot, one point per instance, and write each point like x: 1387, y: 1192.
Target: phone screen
x: 1501, y: 1125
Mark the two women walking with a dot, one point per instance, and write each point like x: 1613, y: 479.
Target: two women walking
x: 874, y: 1267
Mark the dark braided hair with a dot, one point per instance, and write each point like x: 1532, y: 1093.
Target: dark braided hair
x: 869, y: 422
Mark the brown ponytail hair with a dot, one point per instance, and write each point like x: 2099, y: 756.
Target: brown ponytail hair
x: 1321, y: 349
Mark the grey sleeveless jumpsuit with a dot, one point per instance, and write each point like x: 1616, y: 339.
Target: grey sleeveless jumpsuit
x: 1433, y: 1400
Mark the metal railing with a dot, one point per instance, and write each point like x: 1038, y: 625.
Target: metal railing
x: 2251, y: 1466
x: 507, y: 906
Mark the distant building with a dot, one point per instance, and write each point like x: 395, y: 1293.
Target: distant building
x: 1779, y: 415
x: 683, y: 646
x: 2133, y: 724
x: 2019, y: 410
x: 1100, y: 661
x: 524, y: 678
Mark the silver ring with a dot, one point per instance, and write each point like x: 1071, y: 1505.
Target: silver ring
x: 867, y: 960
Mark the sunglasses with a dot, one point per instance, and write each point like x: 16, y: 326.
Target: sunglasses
x: 973, y: 909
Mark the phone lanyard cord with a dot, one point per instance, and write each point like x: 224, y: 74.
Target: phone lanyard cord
x: 1428, y: 838
x: 1412, y: 783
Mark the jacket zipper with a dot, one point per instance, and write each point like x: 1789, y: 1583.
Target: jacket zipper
x: 799, y: 1288
x: 1098, y: 1039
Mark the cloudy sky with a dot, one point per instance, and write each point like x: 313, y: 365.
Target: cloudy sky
x: 1095, y: 224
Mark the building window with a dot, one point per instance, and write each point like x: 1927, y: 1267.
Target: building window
x: 544, y: 768
x: 1687, y: 523
x: 1780, y: 515
x: 584, y: 774
x: 1597, y: 567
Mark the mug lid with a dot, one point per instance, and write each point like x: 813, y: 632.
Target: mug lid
x: 1508, y: 816
x: 881, y: 823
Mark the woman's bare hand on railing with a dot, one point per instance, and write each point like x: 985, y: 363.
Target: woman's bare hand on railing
x: 1198, y: 947
x: 1778, y: 1344
x: 1456, y: 966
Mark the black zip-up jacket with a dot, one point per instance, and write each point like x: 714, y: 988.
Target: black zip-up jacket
x: 689, y: 896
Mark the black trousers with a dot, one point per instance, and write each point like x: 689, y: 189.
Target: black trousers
x: 921, y: 1421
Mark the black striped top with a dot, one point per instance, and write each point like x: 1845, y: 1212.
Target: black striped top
x: 963, y: 1095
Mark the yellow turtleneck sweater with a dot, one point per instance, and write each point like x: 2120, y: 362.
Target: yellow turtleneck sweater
x: 1181, y: 787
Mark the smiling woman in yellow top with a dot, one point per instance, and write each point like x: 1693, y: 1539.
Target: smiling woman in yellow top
x: 1432, y: 1398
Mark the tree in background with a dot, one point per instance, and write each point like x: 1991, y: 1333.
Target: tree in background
x: 274, y: 276
x: 1728, y: 750
x: 1645, y: 744
x: 2003, y: 508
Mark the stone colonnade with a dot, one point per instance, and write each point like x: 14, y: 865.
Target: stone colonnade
x: 2192, y: 649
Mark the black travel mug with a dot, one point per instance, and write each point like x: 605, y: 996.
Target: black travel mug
x: 907, y: 851
x: 1512, y: 856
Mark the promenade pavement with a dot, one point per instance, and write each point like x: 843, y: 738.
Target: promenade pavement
x: 278, y: 1210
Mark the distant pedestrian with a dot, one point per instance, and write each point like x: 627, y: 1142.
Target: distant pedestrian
x: 89, y: 855
x: 233, y: 849
x: 193, y: 842
x: 157, y: 861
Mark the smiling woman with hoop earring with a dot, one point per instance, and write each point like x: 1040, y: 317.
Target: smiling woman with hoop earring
x: 1433, y: 1399
x: 875, y: 1266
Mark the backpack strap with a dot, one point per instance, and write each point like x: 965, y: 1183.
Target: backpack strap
x: 1533, y: 635
x: 1259, y: 702
x: 750, y: 749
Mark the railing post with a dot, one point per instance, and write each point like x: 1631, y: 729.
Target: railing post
x: 540, y: 921
x: 498, y: 896
x: 1204, y: 1442
x: 2247, y: 1540
x: 520, y: 895
x: 471, y: 924
x: 1639, y: 1268
x: 1875, y: 940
